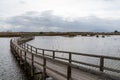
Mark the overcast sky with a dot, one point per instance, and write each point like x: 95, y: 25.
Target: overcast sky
x: 59, y: 15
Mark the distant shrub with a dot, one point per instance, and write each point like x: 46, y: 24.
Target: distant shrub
x: 83, y: 34
x: 115, y: 31
x: 41, y: 33
x: 91, y: 34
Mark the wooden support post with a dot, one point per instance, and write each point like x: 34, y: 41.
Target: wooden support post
x: 44, y: 68
x: 69, y: 68
x: 32, y: 62
x: 53, y: 54
x: 102, y: 64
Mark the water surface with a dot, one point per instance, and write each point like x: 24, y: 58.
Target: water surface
x: 109, y: 46
x: 9, y: 69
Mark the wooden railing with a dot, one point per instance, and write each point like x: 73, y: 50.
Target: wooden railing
x: 101, y: 57
x: 24, y: 48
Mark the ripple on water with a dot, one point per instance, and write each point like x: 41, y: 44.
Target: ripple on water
x: 9, y: 69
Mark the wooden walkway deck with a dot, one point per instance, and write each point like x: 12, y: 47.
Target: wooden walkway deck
x: 60, y: 68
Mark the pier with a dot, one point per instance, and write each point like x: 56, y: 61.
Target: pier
x: 44, y: 63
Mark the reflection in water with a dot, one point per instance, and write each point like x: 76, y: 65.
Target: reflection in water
x: 9, y: 69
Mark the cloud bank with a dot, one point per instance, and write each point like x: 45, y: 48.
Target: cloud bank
x: 47, y: 21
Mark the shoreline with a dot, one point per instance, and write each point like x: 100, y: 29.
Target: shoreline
x: 65, y: 34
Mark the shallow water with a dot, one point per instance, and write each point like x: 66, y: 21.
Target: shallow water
x: 9, y: 69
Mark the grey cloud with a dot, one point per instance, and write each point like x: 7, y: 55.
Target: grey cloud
x: 46, y: 21
x: 22, y: 2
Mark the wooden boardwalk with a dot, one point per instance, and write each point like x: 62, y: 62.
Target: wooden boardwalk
x: 60, y: 68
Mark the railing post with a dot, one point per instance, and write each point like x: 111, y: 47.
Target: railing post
x: 36, y: 50
x: 14, y: 49
x: 53, y: 54
x: 18, y: 41
x: 25, y: 57
x: 24, y: 45
x: 17, y: 51
x: 69, y: 68
x: 32, y: 62
x: 31, y: 48
x: 43, y: 52
x: 102, y: 64
x: 27, y: 47
x: 11, y: 43
x: 44, y: 68
x: 21, y: 56
x: 25, y: 66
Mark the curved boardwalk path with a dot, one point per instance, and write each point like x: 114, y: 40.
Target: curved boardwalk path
x: 59, y: 68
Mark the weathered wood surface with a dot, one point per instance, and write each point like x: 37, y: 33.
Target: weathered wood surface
x: 58, y: 69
